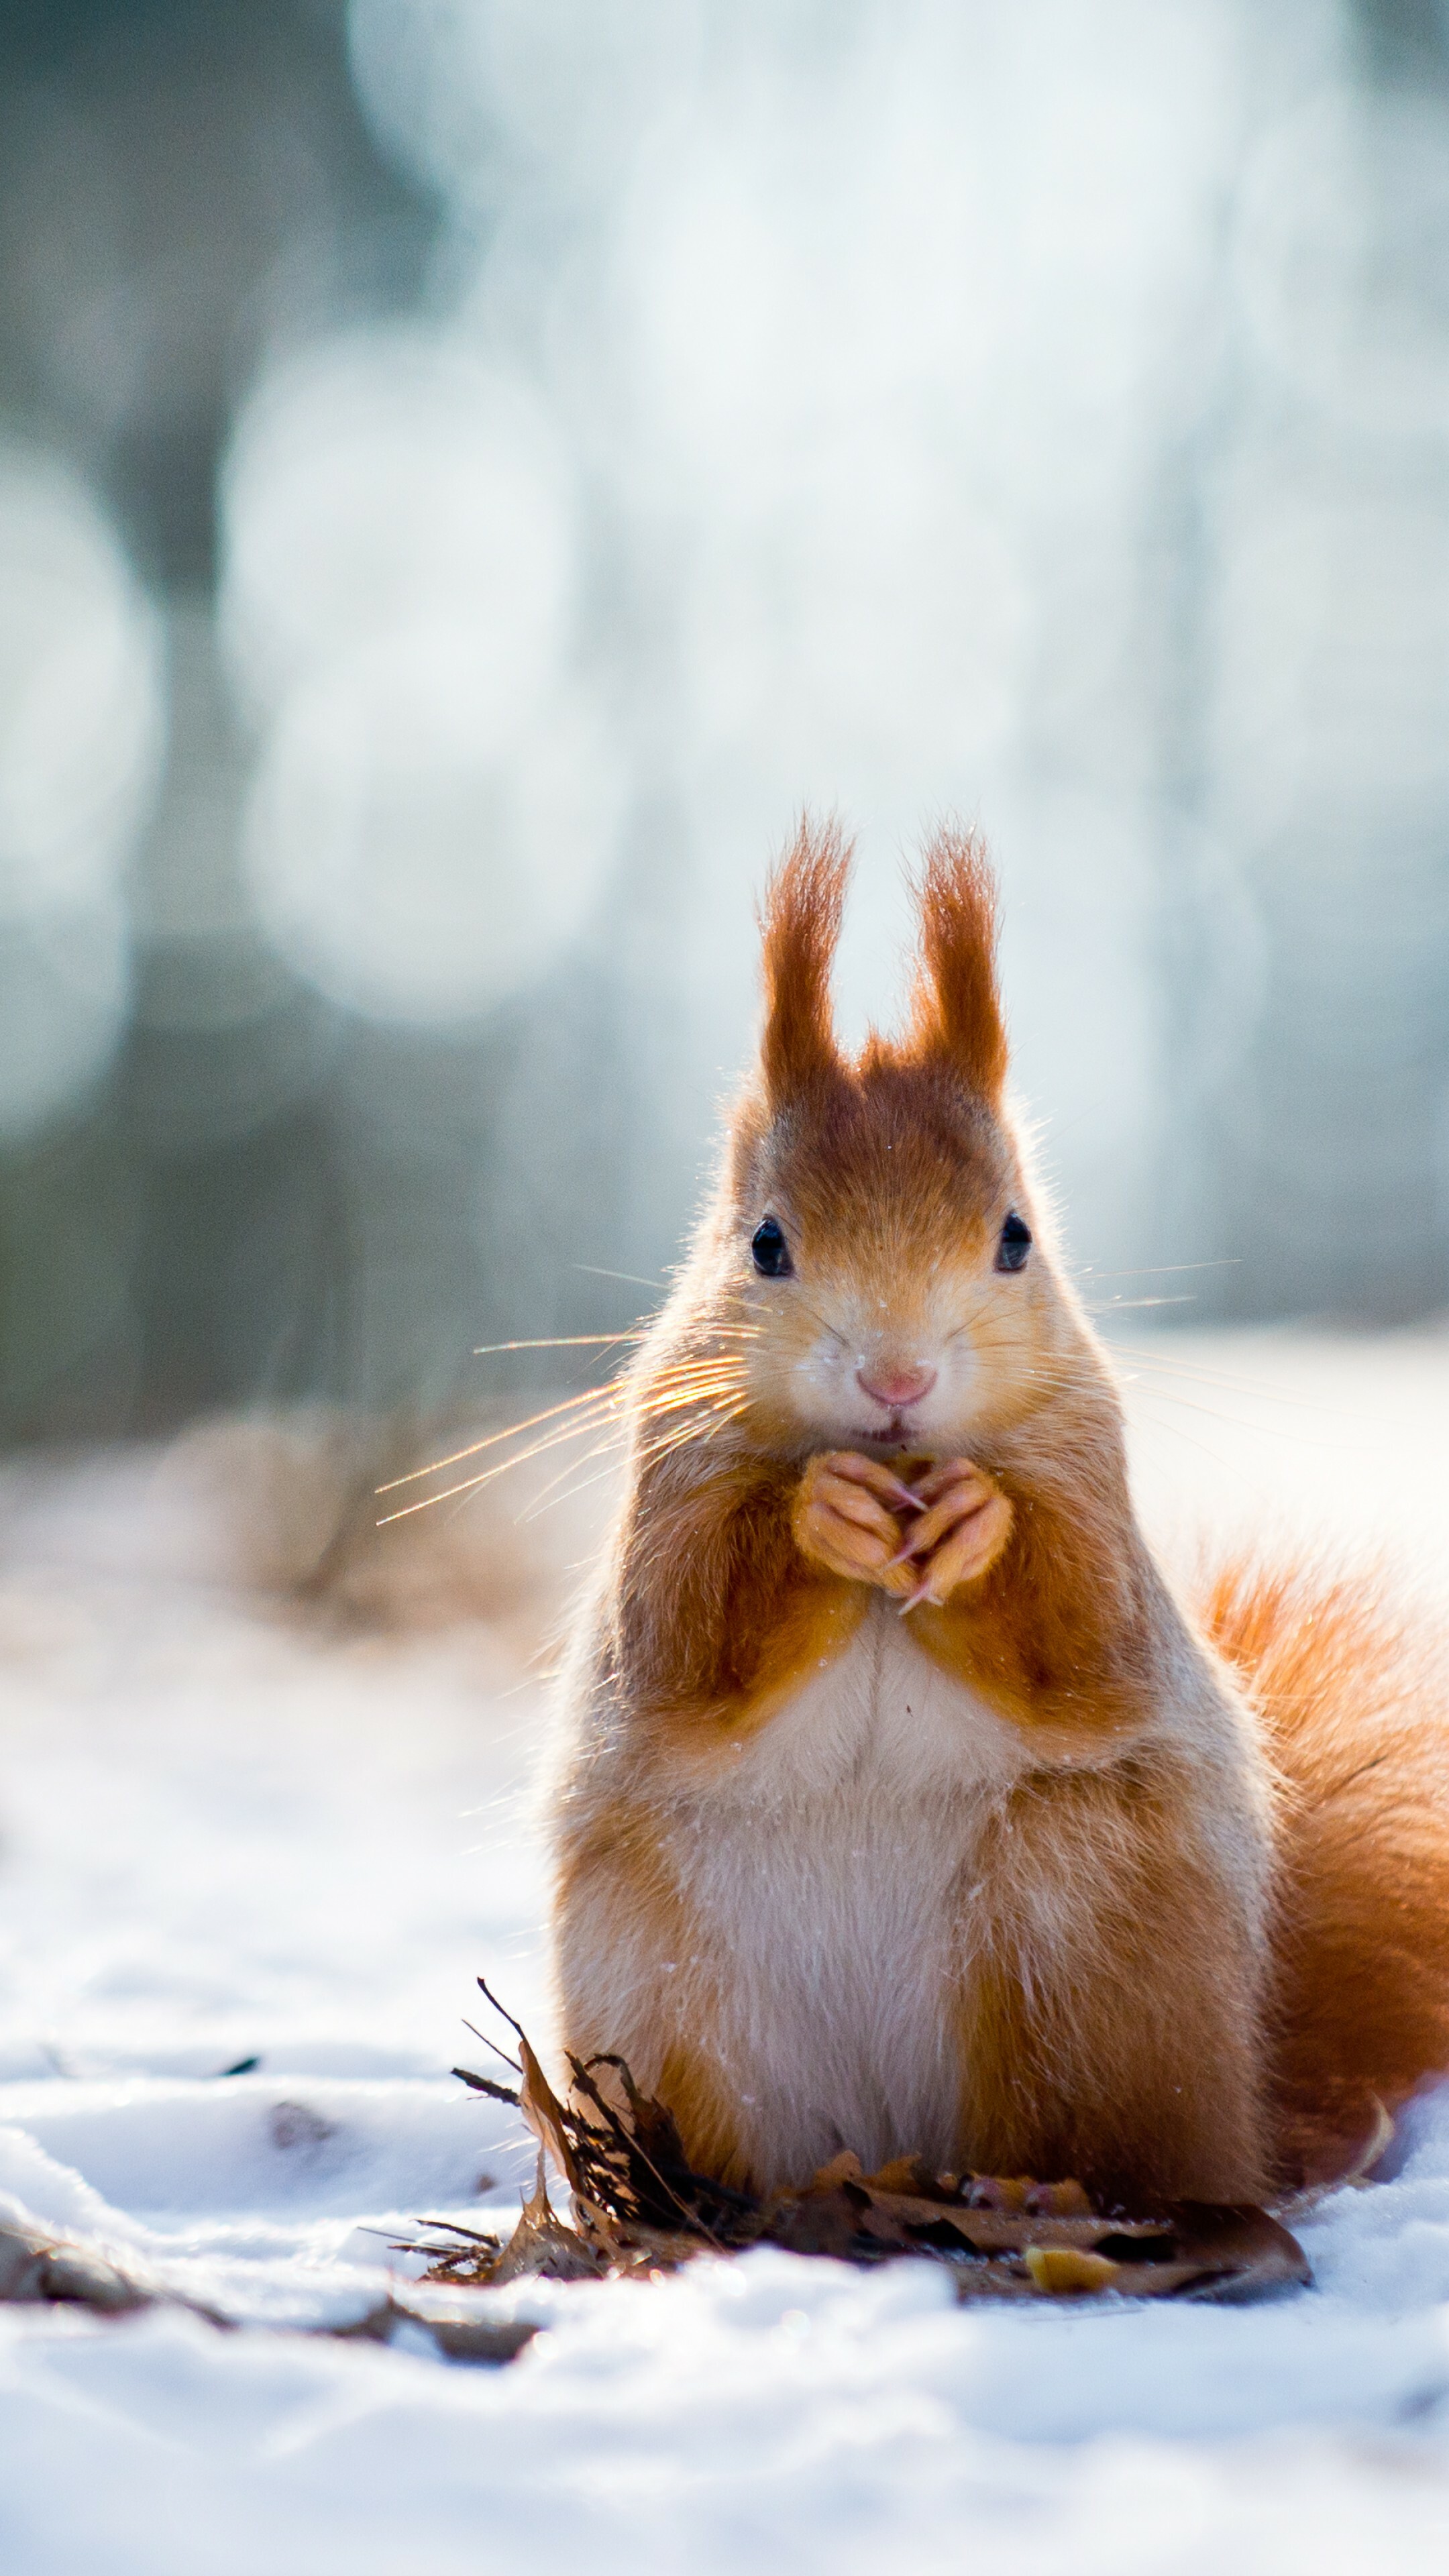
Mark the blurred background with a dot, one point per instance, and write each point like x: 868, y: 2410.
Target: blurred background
x: 469, y: 469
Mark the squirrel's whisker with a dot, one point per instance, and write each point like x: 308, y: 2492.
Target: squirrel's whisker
x: 577, y: 1430
x: 590, y: 1395
x: 563, y: 1342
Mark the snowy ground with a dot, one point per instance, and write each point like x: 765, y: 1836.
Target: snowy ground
x: 228, y: 1830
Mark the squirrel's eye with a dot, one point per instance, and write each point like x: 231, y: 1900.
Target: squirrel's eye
x: 771, y: 1251
x: 1015, y: 1243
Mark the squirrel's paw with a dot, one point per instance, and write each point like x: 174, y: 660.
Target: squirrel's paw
x: 847, y: 1516
x: 964, y: 1524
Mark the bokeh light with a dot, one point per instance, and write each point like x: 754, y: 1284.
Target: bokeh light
x: 385, y: 476
x: 435, y: 800
x: 411, y: 858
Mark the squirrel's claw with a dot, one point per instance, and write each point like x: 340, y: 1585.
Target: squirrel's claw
x: 961, y: 1534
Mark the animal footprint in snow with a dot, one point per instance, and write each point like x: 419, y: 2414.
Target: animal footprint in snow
x: 296, y: 2129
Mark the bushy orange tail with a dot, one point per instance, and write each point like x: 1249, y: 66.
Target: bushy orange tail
x: 1354, y: 1703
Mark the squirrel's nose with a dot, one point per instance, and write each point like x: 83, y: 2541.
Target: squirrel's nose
x: 896, y: 1387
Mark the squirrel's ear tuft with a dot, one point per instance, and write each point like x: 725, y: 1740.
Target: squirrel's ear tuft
x: 800, y: 922
x: 957, y: 1013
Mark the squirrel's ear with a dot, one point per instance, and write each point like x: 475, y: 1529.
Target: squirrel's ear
x: 957, y: 1011
x: 800, y: 922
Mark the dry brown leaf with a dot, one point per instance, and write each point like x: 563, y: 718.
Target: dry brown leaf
x: 1069, y: 2269
x: 542, y: 2247
x: 842, y: 2168
x: 545, y: 2115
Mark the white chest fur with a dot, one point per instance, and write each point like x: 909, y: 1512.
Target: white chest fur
x: 829, y: 1878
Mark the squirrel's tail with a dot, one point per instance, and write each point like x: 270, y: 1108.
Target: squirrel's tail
x: 1354, y: 1703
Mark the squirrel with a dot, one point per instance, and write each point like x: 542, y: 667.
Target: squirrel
x: 905, y: 1805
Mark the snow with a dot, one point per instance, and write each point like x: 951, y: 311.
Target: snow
x: 231, y: 1830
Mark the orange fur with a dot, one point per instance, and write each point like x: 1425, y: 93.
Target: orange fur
x: 801, y: 925
x: 1086, y: 2065
x: 616, y: 1889
x: 956, y: 1011
x: 742, y: 1611
x: 872, y: 1836
x: 1352, y: 1702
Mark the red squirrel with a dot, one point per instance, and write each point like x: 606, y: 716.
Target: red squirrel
x: 907, y: 1806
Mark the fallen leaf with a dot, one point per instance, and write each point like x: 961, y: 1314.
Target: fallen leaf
x: 1065, y: 2269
